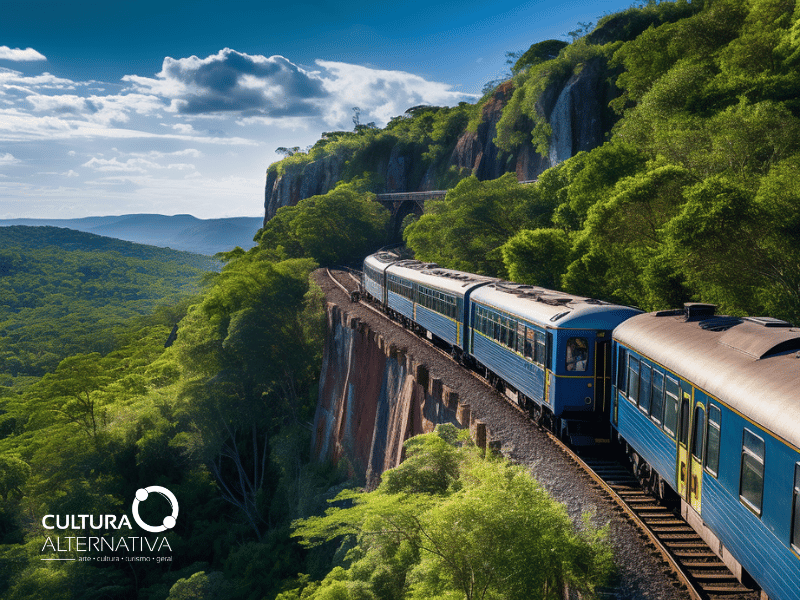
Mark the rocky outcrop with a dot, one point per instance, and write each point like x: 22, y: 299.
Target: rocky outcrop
x: 374, y: 396
x: 314, y: 178
x: 576, y: 109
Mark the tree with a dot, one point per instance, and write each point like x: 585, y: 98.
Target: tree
x: 339, y: 227
x: 538, y: 257
x: 249, y: 353
x: 467, y: 229
x: 73, y: 390
x: 448, y: 523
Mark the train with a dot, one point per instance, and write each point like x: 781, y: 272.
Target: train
x: 706, y: 406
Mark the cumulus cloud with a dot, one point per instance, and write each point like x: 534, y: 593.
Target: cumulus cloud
x: 98, y: 109
x: 11, y: 79
x: 7, y: 159
x: 18, y: 126
x: 231, y: 81
x: 269, y: 90
x: 380, y: 94
x: 18, y: 55
x: 140, y: 163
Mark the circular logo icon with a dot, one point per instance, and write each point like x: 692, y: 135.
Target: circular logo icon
x: 169, y: 521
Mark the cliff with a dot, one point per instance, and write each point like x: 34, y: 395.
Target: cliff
x: 576, y: 109
x: 374, y: 396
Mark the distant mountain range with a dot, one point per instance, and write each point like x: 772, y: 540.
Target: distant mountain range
x: 179, y: 232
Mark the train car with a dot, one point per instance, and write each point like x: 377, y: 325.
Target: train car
x: 433, y: 298
x: 552, y: 350
x: 709, y: 407
x: 373, y: 280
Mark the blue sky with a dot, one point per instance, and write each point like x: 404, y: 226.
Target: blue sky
x: 178, y: 106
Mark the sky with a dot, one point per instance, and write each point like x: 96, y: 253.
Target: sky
x: 177, y: 106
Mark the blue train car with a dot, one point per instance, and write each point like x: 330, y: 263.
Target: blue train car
x: 711, y: 405
x: 552, y: 349
x: 432, y: 297
x: 373, y: 279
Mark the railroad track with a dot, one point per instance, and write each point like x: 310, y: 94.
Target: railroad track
x: 693, y: 563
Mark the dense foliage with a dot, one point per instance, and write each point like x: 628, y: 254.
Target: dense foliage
x: 63, y: 292
x: 424, y: 136
x: 694, y: 196
x: 336, y: 228
x: 448, y: 523
x: 218, y: 418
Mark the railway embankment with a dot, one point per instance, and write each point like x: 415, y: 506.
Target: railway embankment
x: 381, y: 384
x: 374, y: 395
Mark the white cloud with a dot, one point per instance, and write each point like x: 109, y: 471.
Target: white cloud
x: 380, y: 94
x: 11, y: 79
x: 273, y: 91
x: 156, y: 154
x: 8, y: 159
x: 18, y: 126
x: 97, y: 109
x: 16, y: 54
x: 137, y: 164
x: 132, y: 165
x: 232, y: 81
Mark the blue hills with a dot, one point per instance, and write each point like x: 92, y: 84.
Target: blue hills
x: 179, y: 232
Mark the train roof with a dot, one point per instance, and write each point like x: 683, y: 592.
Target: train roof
x: 431, y: 274
x: 752, y: 363
x: 551, y: 308
x: 381, y: 260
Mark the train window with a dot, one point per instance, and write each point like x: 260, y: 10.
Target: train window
x: 699, y: 428
x: 796, y: 509
x: 541, y: 348
x: 621, y: 366
x: 512, y: 334
x: 644, y: 388
x: 751, y: 483
x: 671, y: 406
x: 712, y: 440
x: 633, y: 379
x: 657, y: 403
x: 530, y: 343
x: 521, y: 339
x: 577, y: 354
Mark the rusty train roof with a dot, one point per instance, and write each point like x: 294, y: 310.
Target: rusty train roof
x: 751, y: 364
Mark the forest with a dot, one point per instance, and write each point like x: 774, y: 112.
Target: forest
x: 693, y: 196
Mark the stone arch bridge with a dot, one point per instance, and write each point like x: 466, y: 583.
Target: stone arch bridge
x: 402, y: 204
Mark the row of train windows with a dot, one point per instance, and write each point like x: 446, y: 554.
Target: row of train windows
x: 751, y: 467
x: 372, y: 274
x: 442, y: 303
x: 655, y: 394
x: 751, y: 470
x: 400, y: 286
x: 529, y: 342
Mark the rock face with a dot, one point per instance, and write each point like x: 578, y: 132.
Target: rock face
x: 373, y: 397
x: 575, y: 109
x: 578, y: 118
x: 315, y: 178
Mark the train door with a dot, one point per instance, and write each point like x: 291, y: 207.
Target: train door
x: 602, y: 378
x: 684, y: 418
x: 696, y: 459
x: 548, y: 365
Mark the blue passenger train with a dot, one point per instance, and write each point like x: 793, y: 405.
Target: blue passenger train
x: 710, y: 408
x: 707, y: 406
